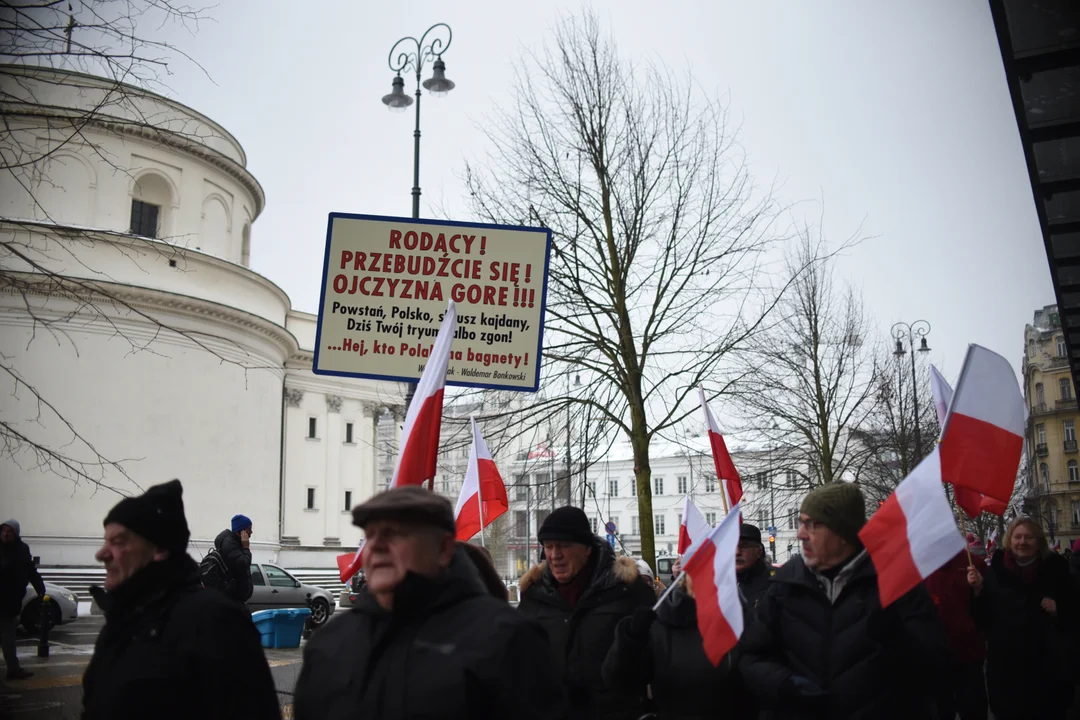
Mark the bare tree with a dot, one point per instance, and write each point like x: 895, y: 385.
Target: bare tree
x: 43, y: 258
x: 807, y: 382
x: 660, y: 237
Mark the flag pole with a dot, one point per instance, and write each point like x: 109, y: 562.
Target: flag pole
x: 963, y: 530
x: 480, y: 502
x: 723, y: 494
x: 674, y: 584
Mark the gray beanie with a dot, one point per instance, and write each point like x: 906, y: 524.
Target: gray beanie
x: 838, y: 506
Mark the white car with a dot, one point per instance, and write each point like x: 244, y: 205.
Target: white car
x: 65, y: 607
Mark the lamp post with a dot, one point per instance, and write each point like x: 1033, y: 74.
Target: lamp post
x: 917, y: 330
x: 407, y: 54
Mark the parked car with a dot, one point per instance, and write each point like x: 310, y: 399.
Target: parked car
x: 663, y: 569
x: 352, y: 590
x: 64, y: 607
x: 274, y: 588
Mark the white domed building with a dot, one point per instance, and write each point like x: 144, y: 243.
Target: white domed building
x: 133, y: 330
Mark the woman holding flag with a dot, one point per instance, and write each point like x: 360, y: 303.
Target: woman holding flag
x: 1027, y: 607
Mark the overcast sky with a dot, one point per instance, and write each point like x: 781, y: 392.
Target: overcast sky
x: 895, y: 115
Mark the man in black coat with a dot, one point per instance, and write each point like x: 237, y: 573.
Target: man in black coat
x: 16, y: 572
x: 233, y: 546
x: 425, y: 638
x: 822, y: 646
x: 579, y: 595
x: 751, y: 567
x: 169, y: 648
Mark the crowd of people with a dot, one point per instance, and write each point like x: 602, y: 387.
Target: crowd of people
x: 433, y: 636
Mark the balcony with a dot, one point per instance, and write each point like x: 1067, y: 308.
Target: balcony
x: 1041, y: 450
x: 1065, y: 404
x: 1058, y: 361
x: 1038, y: 409
x: 1070, y: 446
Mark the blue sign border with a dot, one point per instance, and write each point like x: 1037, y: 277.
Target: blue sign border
x: 445, y: 223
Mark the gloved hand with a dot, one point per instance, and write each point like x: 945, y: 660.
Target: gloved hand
x: 798, y: 690
x: 641, y: 621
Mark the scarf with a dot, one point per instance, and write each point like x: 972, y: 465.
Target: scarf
x: 1026, y: 572
x: 572, y: 591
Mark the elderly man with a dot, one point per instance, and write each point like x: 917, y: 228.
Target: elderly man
x: 17, y: 570
x: 822, y: 646
x: 579, y: 595
x: 751, y: 568
x: 424, y: 639
x: 169, y: 649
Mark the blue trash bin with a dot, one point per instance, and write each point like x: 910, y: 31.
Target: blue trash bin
x: 281, y: 628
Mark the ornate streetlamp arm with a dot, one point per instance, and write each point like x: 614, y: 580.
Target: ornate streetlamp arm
x: 416, y: 53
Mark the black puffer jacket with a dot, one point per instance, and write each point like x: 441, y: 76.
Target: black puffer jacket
x: 170, y: 649
x: 1030, y: 653
x: 685, y: 683
x: 238, y: 561
x: 874, y: 664
x: 581, y: 636
x: 754, y: 583
x: 448, y: 650
x: 16, y: 572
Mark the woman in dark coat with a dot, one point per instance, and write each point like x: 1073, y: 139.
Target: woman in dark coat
x: 664, y: 650
x: 1026, y: 606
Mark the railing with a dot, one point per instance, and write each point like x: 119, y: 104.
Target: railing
x: 1070, y: 446
x: 1041, y: 450
x: 1065, y: 403
x: 1038, y: 409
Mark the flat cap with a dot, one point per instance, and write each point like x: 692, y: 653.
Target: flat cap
x: 411, y: 503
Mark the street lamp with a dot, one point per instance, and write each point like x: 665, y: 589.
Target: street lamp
x: 414, y: 56
x: 917, y: 330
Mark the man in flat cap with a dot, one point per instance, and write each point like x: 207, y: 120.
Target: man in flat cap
x: 821, y: 645
x: 424, y: 639
x: 169, y: 648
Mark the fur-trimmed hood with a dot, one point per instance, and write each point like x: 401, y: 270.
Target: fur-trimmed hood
x: 608, y: 567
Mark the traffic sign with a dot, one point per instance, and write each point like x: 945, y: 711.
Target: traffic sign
x: 610, y: 527
x: 611, y: 539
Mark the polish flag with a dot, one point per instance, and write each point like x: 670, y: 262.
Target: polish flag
x: 350, y: 563
x: 418, y: 451
x: 913, y: 533
x: 991, y: 543
x: 711, y: 566
x: 482, y: 493
x: 693, y: 527
x: 983, y: 437
x: 725, y: 468
x: 971, y: 502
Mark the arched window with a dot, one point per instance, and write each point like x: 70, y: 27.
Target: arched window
x: 1040, y: 394
x: 151, y: 199
x: 1044, y: 471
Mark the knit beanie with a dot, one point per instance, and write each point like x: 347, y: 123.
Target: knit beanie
x: 157, y: 515
x: 568, y: 524
x: 838, y: 506
x: 240, y: 522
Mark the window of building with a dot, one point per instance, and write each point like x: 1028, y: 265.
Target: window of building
x: 613, y: 488
x: 1070, y: 431
x: 1040, y: 394
x: 521, y: 487
x: 658, y: 525
x: 1062, y: 350
x: 311, y: 428
x: 633, y: 487
x: 1075, y: 513
x: 1031, y: 348
x: 311, y: 498
x: 710, y: 517
x: 615, y: 519
x: 144, y: 219
x: 593, y: 523
x: 658, y: 486
x: 792, y: 520
x: 710, y: 484
x: 1040, y: 434
x: 521, y: 523
x: 1053, y: 517
x: 678, y: 518
x: 591, y: 485
x: 682, y: 484
x: 634, y: 528
x: 1044, y: 471
x: 1074, y: 471
x: 348, y: 434
x: 348, y: 501
x: 1066, y: 388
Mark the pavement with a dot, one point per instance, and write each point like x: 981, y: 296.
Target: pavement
x: 55, y: 691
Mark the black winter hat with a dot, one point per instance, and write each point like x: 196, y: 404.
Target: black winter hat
x: 566, y: 523
x: 157, y: 515
x: 750, y: 533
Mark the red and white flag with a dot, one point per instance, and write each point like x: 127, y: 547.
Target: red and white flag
x: 725, y: 468
x: 350, y: 563
x: 991, y: 542
x: 693, y: 527
x: 710, y: 563
x: 983, y: 437
x: 971, y: 502
x: 913, y: 533
x: 418, y: 451
x: 483, y: 494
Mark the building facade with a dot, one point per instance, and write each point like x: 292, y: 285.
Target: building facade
x: 1053, y: 463
x: 138, y: 345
